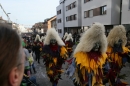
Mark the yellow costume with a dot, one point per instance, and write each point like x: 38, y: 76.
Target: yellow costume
x: 89, y: 61
x: 117, y: 53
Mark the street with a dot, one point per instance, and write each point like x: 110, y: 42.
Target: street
x: 43, y: 80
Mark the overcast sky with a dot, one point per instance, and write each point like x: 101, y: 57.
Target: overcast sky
x: 28, y: 12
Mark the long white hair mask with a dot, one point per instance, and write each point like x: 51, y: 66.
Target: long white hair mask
x: 52, y: 34
x: 93, y: 35
x: 65, y: 36
x: 69, y: 37
x: 37, y: 38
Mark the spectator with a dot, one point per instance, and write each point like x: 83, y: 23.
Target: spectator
x: 27, y: 66
x: 12, y: 57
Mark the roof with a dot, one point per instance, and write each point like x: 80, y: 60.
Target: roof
x: 49, y: 18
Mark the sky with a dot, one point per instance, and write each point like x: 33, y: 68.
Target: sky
x: 28, y: 12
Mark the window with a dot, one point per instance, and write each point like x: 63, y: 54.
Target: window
x: 96, y: 11
x: 58, y: 12
x: 59, y: 30
x: 66, y: 8
x: 90, y: 13
x: 59, y: 20
x: 71, y: 18
x: 86, y: 1
x: 74, y: 17
x: 103, y: 10
x: 86, y: 14
x: 69, y: 7
x: 72, y: 5
x: 66, y: 18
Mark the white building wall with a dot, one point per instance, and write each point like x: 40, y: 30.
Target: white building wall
x: 125, y: 11
x: 108, y: 18
x: 74, y: 23
x: 60, y: 16
x: 115, y: 12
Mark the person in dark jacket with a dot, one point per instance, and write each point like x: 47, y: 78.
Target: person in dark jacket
x: 37, y: 52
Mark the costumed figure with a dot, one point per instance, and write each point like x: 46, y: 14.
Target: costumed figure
x: 65, y: 36
x: 128, y: 39
x: 69, y: 44
x: 89, y: 57
x: 117, y: 55
x: 84, y: 30
x: 54, y: 54
x: 37, y: 38
x: 43, y: 38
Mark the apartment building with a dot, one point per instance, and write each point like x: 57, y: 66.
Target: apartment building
x: 125, y: 12
x: 76, y: 14
x: 125, y: 20
x: 106, y: 12
x: 68, y: 16
x: 72, y: 16
x: 60, y: 18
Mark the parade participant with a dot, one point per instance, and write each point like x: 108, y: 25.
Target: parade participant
x: 37, y: 38
x: 117, y: 54
x: 43, y: 38
x: 69, y: 44
x: 128, y: 39
x: 54, y: 54
x: 37, y: 52
x: 84, y: 30
x: 65, y: 36
x: 89, y: 57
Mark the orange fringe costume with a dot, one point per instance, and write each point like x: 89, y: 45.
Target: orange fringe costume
x: 89, y: 63
x: 116, y: 58
x: 54, y: 55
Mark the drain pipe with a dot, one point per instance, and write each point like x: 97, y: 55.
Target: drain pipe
x: 120, y: 12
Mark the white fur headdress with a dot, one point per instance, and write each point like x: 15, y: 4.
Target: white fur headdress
x: 65, y: 36
x: 43, y: 38
x: 69, y: 37
x: 52, y: 34
x: 95, y: 34
x: 85, y: 29
x: 37, y: 38
x: 118, y: 32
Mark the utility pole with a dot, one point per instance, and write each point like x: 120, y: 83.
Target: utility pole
x: 120, y: 12
x: 5, y: 13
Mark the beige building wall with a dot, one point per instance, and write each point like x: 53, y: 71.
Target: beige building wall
x: 49, y: 22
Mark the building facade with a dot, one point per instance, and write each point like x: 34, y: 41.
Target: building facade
x: 125, y: 20
x: 83, y: 13
x: 72, y: 15
x: 125, y: 12
x: 106, y: 12
x: 60, y: 18
x: 51, y: 22
x: 68, y: 16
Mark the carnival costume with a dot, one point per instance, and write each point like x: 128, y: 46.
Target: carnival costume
x: 89, y: 57
x: 65, y: 36
x: 43, y: 38
x: 54, y: 54
x: 69, y: 44
x: 117, y: 55
x: 37, y: 38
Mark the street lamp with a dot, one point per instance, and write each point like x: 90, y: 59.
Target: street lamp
x: 8, y: 17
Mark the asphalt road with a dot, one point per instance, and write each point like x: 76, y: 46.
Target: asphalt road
x: 43, y: 80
